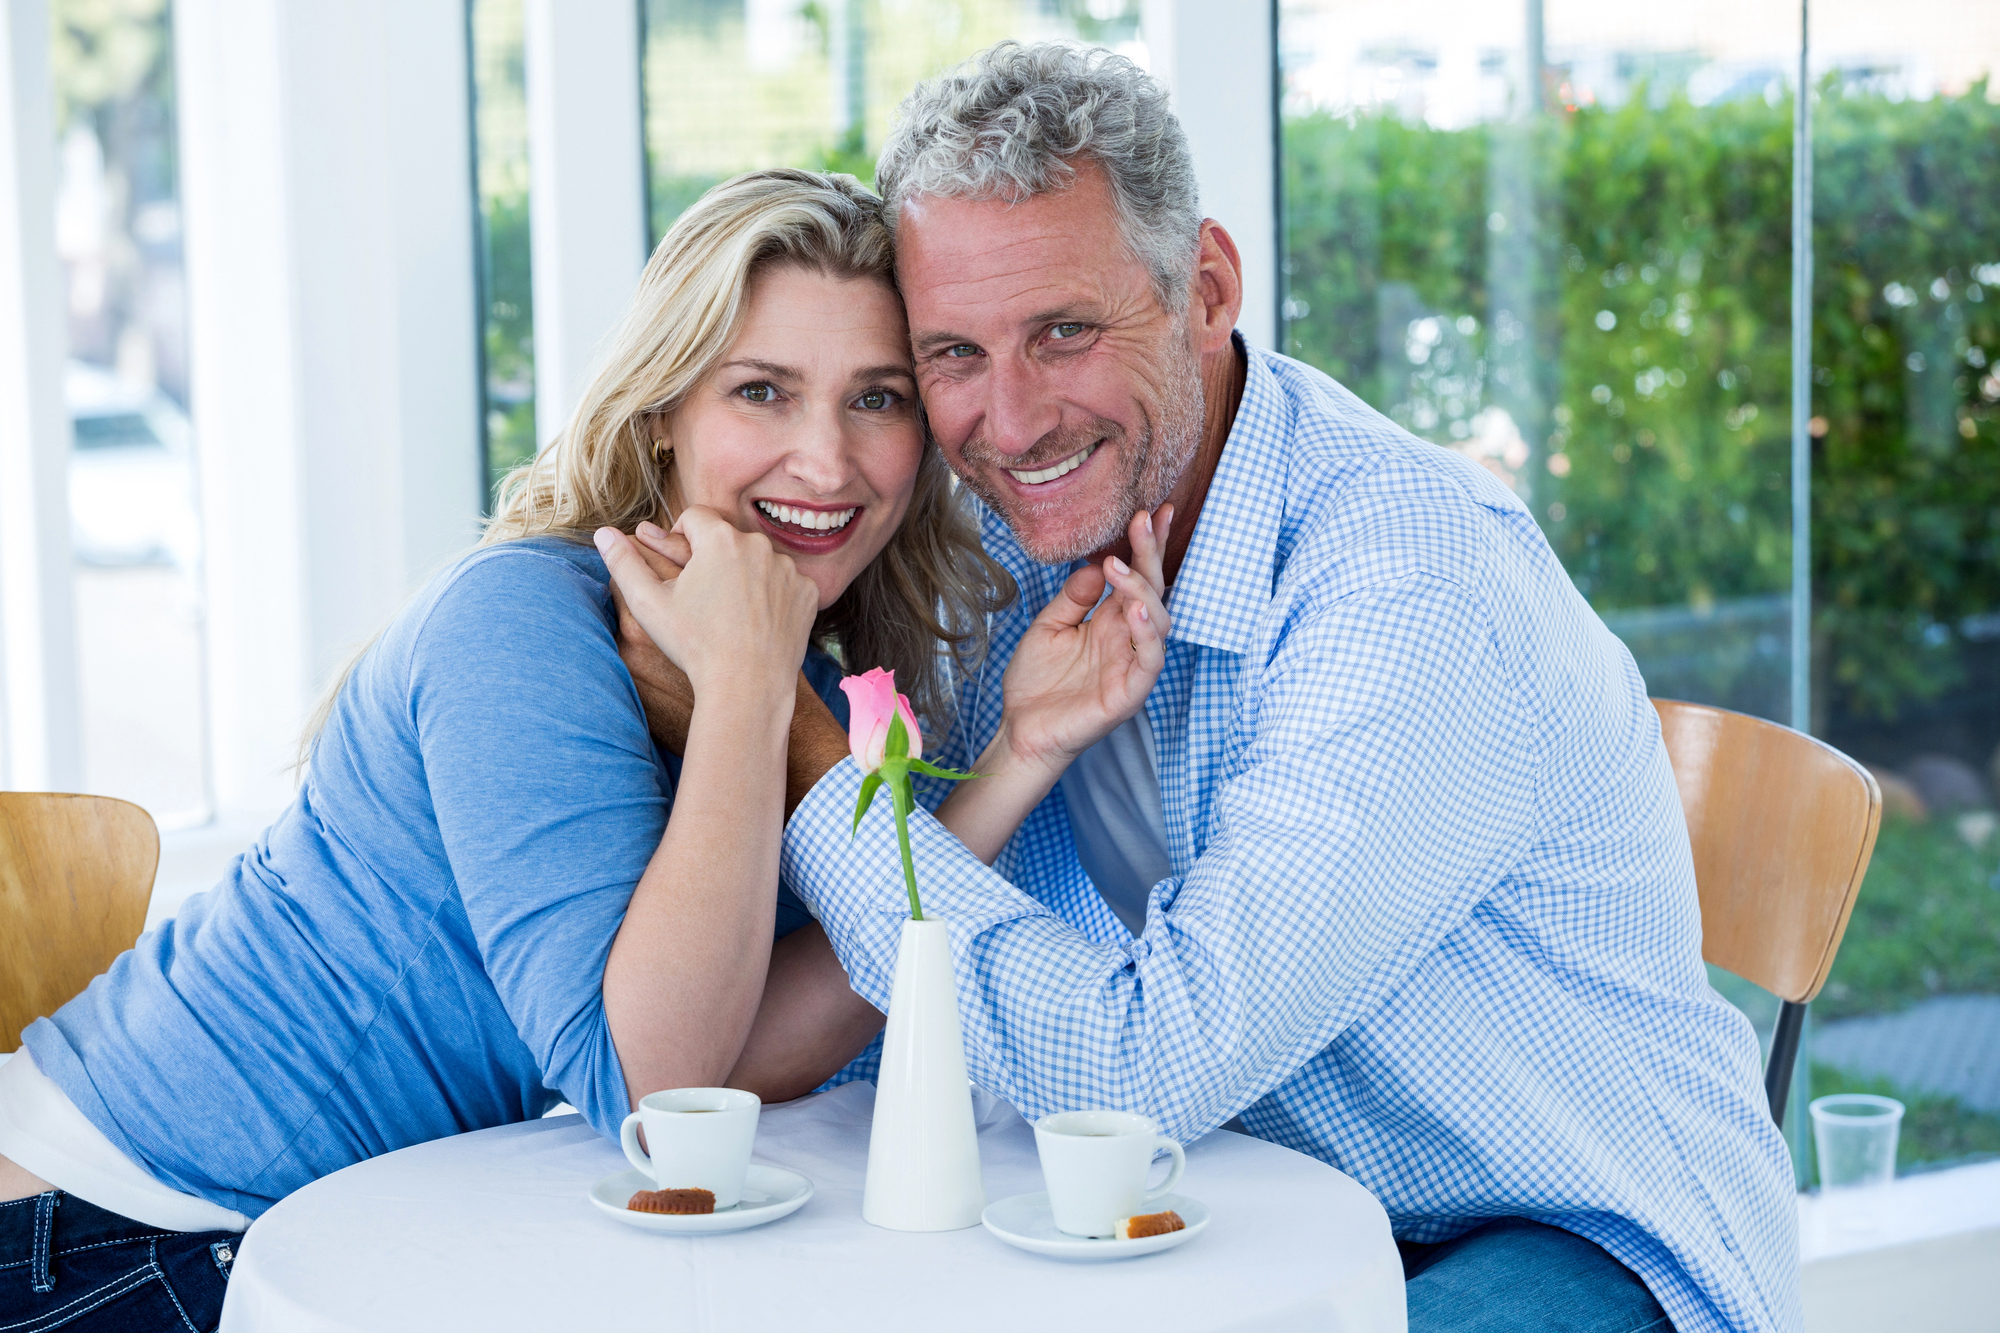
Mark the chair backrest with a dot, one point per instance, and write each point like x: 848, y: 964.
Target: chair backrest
x: 76, y: 875
x: 1782, y: 827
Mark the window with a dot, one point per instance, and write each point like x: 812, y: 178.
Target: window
x: 1906, y: 551
x: 507, y: 309
x: 132, y: 473
x: 1560, y: 241
x: 734, y: 86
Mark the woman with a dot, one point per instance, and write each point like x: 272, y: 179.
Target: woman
x: 493, y: 892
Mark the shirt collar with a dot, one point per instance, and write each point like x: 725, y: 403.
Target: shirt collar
x: 1225, y: 579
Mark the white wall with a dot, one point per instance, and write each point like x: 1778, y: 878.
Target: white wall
x: 1215, y: 56
x: 40, y: 737
x: 587, y: 188
x: 1920, y: 1254
x: 326, y: 184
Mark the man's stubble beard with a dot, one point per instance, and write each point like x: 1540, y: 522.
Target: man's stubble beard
x: 1166, y: 446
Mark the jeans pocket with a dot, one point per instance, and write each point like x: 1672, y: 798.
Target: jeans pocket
x: 107, y: 1294
x: 176, y: 1281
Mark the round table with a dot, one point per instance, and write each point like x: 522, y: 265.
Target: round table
x: 491, y: 1231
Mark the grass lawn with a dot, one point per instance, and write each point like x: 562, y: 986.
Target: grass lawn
x: 1927, y: 923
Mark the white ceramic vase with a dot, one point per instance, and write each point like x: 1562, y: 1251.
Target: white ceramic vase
x: 923, y: 1152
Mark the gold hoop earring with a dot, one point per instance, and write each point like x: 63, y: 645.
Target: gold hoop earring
x: 663, y: 455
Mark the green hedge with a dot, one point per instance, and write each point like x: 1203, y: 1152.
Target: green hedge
x: 1619, y: 280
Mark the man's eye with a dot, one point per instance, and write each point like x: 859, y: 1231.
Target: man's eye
x: 757, y: 393
x: 1066, y: 330
x: 961, y: 350
x: 878, y: 400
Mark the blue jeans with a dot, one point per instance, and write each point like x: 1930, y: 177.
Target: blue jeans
x: 1518, y: 1275
x: 67, y: 1264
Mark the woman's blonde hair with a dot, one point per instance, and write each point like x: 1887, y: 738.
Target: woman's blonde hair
x: 929, y: 592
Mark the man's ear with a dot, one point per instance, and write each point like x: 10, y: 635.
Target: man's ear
x: 1218, y: 288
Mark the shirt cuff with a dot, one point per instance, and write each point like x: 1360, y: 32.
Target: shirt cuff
x: 854, y: 884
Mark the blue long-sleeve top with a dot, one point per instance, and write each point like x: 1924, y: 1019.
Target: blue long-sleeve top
x: 416, y: 947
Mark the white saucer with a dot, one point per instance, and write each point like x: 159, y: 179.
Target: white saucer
x: 769, y: 1193
x: 1024, y: 1221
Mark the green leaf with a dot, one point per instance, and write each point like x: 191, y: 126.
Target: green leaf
x: 949, y: 774
x: 898, y: 745
x: 867, y: 797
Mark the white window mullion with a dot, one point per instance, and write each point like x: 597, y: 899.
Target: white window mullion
x: 1218, y: 62
x: 587, y: 190
x: 40, y: 728
x: 326, y: 182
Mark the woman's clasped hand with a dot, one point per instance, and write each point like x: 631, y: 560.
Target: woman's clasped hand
x: 738, y: 615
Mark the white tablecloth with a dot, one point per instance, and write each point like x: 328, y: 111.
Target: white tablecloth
x: 491, y: 1231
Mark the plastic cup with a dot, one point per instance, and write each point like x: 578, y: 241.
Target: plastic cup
x: 1855, y: 1133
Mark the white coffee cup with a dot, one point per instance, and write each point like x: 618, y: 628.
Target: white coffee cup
x: 1095, y: 1164
x: 700, y: 1139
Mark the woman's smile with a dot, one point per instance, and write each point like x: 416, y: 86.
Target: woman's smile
x: 804, y: 528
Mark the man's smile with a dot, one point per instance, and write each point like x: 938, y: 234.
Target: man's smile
x: 1060, y: 469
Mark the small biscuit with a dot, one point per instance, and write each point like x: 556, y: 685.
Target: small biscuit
x: 1149, y: 1224
x: 672, y: 1201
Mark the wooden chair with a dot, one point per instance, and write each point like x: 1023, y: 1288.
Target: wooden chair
x: 76, y: 874
x: 1782, y: 827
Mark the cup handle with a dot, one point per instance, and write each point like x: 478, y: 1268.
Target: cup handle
x: 1173, y: 1172
x: 628, y: 1137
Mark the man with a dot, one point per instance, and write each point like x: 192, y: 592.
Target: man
x: 1391, y: 868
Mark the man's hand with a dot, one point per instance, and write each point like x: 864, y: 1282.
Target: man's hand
x: 664, y: 688
x: 817, y: 744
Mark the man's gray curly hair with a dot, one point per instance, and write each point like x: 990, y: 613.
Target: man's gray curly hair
x: 1009, y: 123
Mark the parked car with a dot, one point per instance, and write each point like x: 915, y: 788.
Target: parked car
x: 131, y: 473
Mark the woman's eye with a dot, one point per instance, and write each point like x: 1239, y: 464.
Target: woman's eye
x: 1066, y: 330
x: 757, y: 393
x: 878, y: 400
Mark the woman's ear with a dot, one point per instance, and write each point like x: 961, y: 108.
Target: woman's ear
x: 657, y: 429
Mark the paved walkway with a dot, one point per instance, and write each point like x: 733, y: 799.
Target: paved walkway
x: 1948, y: 1045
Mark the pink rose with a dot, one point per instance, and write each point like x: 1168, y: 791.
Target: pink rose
x: 872, y: 709
x: 872, y: 703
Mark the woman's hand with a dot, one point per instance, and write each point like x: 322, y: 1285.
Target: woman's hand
x: 739, y: 614
x: 818, y: 742
x: 1072, y: 681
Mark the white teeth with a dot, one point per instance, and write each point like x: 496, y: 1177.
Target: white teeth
x: 823, y: 520
x: 1064, y: 468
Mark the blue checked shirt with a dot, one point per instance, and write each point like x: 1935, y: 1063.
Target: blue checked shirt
x: 1432, y: 916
